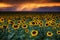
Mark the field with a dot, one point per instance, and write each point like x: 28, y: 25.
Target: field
x: 29, y: 26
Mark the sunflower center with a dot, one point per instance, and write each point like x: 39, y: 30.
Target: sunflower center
x: 59, y: 32
x: 33, y: 22
x: 4, y: 26
x: 34, y: 32
x: 2, y: 19
x: 15, y: 26
x: 24, y: 25
x: 46, y: 24
x: 49, y: 33
x: 11, y: 22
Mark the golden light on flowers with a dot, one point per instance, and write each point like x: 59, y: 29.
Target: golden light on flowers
x: 4, y: 5
x: 34, y: 33
x: 58, y: 31
x: 24, y: 26
x: 49, y: 34
x: 15, y: 26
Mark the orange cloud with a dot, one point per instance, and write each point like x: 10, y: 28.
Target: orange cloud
x: 30, y: 6
x: 4, y: 5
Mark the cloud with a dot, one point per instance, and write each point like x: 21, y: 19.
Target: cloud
x: 30, y: 6
x: 27, y: 1
x: 8, y: 9
x: 3, y: 5
x: 55, y: 0
x: 47, y: 9
x: 27, y: 5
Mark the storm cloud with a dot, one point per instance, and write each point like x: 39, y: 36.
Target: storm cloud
x: 26, y: 5
x: 27, y: 1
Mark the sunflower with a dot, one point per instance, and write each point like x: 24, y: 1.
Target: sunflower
x: 47, y: 24
x: 58, y: 31
x: 49, y: 34
x: 52, y: 22
x: 1, y: 19
x: 32, y: 23
x: 40, y: 23
x: 27, y: 30
x: 34, y: 18
x: 19, y: 22
x: 58, y: 25
x: 10, y: 21
x: 47, y: 19
x: 15, y: 26
x: 34, y: 33
x: 5, y: 26
x: 22, y: 21
x: 24, y: 26
x: 10, y: 17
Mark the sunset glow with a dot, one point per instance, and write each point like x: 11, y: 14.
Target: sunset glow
x: 4, y: 5
x: 30, y: 6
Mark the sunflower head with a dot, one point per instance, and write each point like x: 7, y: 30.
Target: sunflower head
x: 34, y: 33
x: 47, y: 18
x: 39, y: 22
x: 32, y: 23
x: 5, y: 26
x: 49, y: 34
x: 10, y: 21
x: 1, y: 19
x: 27, y: 30
x: 58, y: 32
x: 47, y: 24
x: 15, y: 26
x: 19, y: 22
x: 58, y: 25
x: 24, y: 26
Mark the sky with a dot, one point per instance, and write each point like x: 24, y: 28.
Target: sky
x: 30, y: 5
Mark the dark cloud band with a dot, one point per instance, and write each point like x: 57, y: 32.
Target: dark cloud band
x: 55, y: 0
x: 27, y: 1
